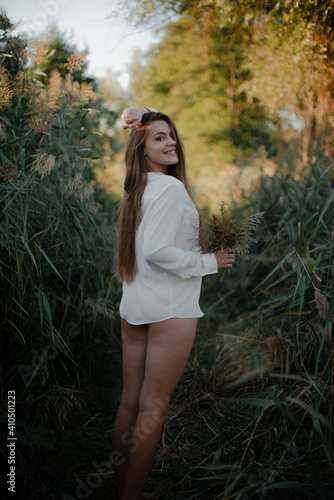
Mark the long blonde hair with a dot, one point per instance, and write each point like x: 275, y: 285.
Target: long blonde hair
x: 134, y: 185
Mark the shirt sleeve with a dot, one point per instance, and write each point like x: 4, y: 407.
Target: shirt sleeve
x: 159, y: 236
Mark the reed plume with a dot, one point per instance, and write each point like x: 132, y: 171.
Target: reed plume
x: 6, y: 91
x: 75, y: 62
x: 44, y: 163
x: 229, y: 229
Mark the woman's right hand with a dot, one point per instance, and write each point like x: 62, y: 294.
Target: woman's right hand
x: 131, y: 117
x: 225, y: 258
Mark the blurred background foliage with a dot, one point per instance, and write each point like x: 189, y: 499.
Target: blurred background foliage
x: 243, y: 80
x: 250, y: 86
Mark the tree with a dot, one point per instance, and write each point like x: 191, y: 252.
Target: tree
x: 12, y: 48
x: 291, y: 58
x: 288, y: 50
x: 54, y: 52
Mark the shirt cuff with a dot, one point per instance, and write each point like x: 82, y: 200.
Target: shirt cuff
x: 210, y: 265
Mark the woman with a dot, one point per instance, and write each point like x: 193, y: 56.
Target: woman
x: 161, y: 268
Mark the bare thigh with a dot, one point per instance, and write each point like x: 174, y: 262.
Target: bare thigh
x: 168, y: 347
x: 134, y: 346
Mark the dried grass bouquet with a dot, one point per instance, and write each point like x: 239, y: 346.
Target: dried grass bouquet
x: 228, y: 229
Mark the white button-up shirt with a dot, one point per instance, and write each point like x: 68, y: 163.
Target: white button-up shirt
x: 169, y: 265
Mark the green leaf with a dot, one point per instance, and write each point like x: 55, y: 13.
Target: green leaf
x: 282, y: 485
x: 330, y: 311
x: 324, y: 210
x: 279, y: 265
x: 49, y: 262
x: 38, y: 71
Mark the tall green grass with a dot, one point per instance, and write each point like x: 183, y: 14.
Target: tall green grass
x: 57, y: 241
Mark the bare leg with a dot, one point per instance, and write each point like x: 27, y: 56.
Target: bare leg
x: 134, y: 340
x: 168, y: 348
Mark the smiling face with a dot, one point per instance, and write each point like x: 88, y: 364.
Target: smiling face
x: 160, y: 149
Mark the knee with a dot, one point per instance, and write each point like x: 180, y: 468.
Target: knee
x: 155, y: 406
x: 130, y: 404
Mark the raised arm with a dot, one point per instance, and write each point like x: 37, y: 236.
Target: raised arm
x: 132, y: 116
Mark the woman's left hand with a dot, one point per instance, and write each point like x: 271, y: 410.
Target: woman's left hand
x: 131, y: 117
x: 225, y: 258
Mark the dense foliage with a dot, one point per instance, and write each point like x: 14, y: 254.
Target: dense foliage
x: 58, y: 234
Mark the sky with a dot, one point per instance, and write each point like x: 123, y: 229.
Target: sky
x: 88, y: 23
